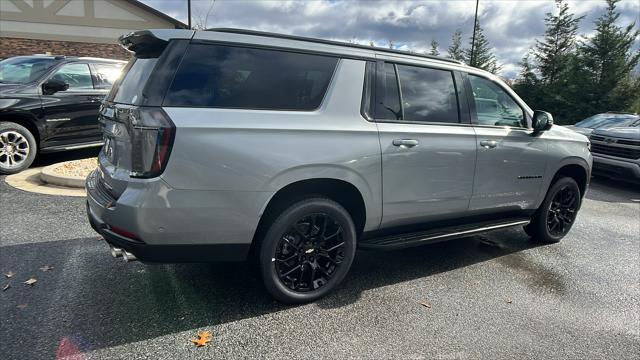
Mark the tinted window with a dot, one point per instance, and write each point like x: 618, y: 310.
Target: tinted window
x: 76, y: 75
x: 234, y: 77
x: 428, y: 94
x: 389, y: 106
x: 104, y: 75
x: 129, y: 90
x: 494, y: 106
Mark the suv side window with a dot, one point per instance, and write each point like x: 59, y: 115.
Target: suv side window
x: 389, y: 107
x: 428, y: 95
x: 246, y: 78
x: 494, y: 106
x: 76, y: 75
x: 104, y: 75
x: 414, y: 93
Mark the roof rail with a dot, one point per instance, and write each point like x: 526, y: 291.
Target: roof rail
x: 330, y: 42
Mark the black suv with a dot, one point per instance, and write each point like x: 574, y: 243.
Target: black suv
x: 50, y: 103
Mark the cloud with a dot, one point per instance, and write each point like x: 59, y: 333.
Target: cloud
x: 510, y: 26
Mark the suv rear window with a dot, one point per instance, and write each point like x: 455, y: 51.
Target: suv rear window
x: 128, y: 90
x: 245, y: 78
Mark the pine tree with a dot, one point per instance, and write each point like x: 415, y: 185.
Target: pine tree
x: 434, y: 48
x: 608, y: 60
x: 482, y: 57
x: 527, y: 83
x: 455, y: 51
x: 553, y: 53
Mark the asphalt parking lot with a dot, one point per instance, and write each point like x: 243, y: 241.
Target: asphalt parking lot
x: 494, y: 296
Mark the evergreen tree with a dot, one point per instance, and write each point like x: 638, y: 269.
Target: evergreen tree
x: 482, y: 57
x: 434, y: 48
x: 554, y: 52
x: 608, y: 61
x: 527, y: 83
x: 455, y: 51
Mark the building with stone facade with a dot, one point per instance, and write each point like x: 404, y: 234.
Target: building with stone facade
x: 74, y: 27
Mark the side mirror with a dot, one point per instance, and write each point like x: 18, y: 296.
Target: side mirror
x: 541, y: 121
x: 52, y: 86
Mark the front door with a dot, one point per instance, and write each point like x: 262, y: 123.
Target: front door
x: 511, y: 160
x: 72, y: 116
x: 428, y: 156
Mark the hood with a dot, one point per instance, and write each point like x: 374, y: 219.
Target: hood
x: 565, y: 133
x: 632, y: 133
x: 8, y: 88
x: 580, y: 130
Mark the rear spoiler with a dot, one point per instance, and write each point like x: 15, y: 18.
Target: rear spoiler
x: 151, y: 43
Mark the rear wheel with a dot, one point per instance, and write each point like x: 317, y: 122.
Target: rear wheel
x: 556, y: 215
x: 17, y: 148
x: 307, y: 251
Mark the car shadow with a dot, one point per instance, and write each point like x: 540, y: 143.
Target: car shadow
x: 93, y: 301
x: 612, y: 190
x: 46, y: 159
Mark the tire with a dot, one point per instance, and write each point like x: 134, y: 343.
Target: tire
x: 18, y: 148
x: 320, y: 255
x: 555, y: 217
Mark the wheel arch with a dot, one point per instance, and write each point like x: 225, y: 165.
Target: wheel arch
x: 338, y: 190
x: 575, y: 168
x: 22, y: 119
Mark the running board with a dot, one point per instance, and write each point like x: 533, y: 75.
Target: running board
x: 399, y: 241
x: 72, y: 147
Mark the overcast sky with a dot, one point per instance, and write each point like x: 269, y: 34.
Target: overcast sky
x: 511, y: 26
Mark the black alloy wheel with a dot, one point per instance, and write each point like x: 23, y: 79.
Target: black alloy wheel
x: 562, y: 211
x: 308, y: 250
x: 557, y: 213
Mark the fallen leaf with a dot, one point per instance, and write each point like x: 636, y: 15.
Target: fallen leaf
x: 9, y: 274
x: 22, y: 306
x: 31, y: 281
x: 425, y: 304
x: 508, y: 300
x: 46, y: 268
x: 203, y: 338
x: 4, y: 288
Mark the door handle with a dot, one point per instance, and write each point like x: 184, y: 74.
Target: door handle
x: 488, y: 144
x: 96, y: 98
x: 407, y: 143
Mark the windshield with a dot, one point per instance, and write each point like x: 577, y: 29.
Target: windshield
x: 128, y: 90
x: 604, y: 121
x: 21, y: 70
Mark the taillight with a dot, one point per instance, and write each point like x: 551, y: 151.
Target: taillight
x: 152, y: 134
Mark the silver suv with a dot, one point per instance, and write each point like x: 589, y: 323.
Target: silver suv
x: 294, y: 152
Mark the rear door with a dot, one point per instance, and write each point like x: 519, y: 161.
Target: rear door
x: 428, y: 146
x: 72, y: 116
x: 511, y: 160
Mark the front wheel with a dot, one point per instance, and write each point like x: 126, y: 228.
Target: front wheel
x: 17, y: 148
x: 307, y: 251
x: 556, y: 215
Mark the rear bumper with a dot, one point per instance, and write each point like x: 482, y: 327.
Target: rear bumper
x: 169, y: 225
x: 169, y: 253
x: 622, y: 169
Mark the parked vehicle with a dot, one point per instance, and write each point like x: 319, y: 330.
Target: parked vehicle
x: 604, y: 121
x: 616, y: 152
x: 233, y: 144
x: 50, y: 103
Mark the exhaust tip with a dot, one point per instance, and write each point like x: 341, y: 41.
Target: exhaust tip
x: 116, y: 252
x: 128, y: 257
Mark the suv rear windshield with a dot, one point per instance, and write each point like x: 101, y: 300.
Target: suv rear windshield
x: 128, y: 90
x: 245, y: 78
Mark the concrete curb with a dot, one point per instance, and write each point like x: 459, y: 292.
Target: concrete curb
x: 29, y: 180
x: 49, y: 176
